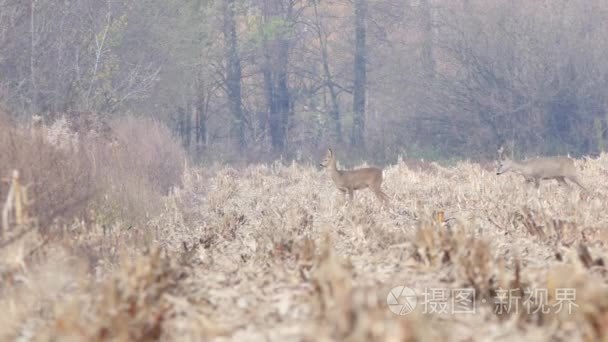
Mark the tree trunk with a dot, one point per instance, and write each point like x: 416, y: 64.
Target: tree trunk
x: 182, y: 126
x: 282, y: 95
x: 188, y: 126
x: 428, y: 57
x: 334, y: 111
x: 360, y: 76
x: 276, y: 87
x: 200, y: 118
x: 233, y: 73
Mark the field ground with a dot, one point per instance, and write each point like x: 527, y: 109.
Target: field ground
x: 273, y: 253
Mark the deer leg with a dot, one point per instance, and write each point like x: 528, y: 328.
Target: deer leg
x: 376, y: 188
x: 343, y: 191
x: 536, y: 183
x: 561, y: 181
x: 575, y: 180
x: 380, y: 195
x: 350, y: 194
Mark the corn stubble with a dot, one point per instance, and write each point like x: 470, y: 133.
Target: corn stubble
x: 273, y: 252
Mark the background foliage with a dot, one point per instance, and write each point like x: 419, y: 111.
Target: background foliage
x: 252, y: 80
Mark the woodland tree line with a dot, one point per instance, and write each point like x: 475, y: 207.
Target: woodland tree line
x: 259, y: 79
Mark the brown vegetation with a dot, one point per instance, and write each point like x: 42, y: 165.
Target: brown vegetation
x: 109, y: 231
x: 81, y: 175
x: 268, y: 253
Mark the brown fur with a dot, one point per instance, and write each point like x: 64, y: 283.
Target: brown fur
x: 534, y: 170
x: 347, y: 181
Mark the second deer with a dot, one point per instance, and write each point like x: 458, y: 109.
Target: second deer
x: 347, y: 181
x: 534, y: 170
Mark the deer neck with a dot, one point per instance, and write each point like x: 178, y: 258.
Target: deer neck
x: 333, y: 169
x: 518, y: 167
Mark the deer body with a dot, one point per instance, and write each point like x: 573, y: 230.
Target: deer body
x: 534, y: 170
x: 347, y: 181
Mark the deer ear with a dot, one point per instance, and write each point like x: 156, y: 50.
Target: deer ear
x: 329, y: 151
x: 501, y: 152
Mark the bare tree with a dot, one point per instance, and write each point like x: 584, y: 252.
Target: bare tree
x: 278, y: 22
x: 233, y: 73
x: 428, y: 58
x: 360, y: 74
x: 334, y: 111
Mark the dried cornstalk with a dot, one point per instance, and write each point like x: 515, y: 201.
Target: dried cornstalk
x: 16, y: 201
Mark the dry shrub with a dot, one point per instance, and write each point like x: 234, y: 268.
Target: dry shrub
x: 121, y: 177
x: 34, y: 281
x: 436, y: 244
x: 475, y: 264
x: 588, y: 316
x: 265, y: 270
x: 332, y: 281
x: 304, y: 250
x: 29, y: 301
x: 556, y: 231
x: 148, y: 149
x: 131, y: 306
x: 126, y: 198
x: 226, y: 189
x: 60, y: 184
x: 141, y: 165
x: 229, y: 224
x: 284, y: 226
x: 101, y: 247
x: 358, y: 313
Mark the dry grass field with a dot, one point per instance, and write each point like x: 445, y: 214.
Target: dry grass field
x: 274, y: 253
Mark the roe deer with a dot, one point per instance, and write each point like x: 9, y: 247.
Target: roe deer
x: 347, y: 181
x: 533, y: 170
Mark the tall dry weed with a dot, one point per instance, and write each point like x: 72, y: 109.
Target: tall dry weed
x: 253, y: 244
x: 131, y: 306
x: 118, y: 175
x: 61, y: 184
x: 147, y: 148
